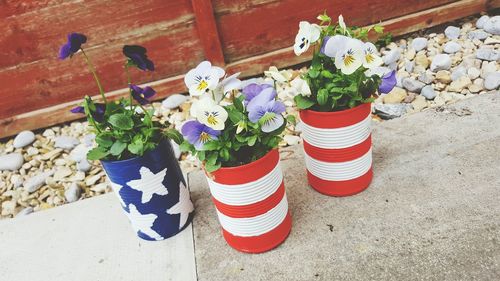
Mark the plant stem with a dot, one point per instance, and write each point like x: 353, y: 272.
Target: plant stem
x: 129, y: 82
x: 92, y: 69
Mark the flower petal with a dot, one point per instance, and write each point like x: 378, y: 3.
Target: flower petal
x: 273, y: 124
x: 262, y: 99
x: 332, y: 45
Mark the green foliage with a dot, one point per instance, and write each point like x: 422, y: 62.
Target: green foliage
x: 235, y: 149
x: 123, y: 133
x: 331, y: 89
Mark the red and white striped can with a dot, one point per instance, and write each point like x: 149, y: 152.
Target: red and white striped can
x: 251, y: 204
x: 338, y: 150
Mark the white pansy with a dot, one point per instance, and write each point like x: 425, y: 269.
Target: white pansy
x: 274, y: 73
x: 227, y: 85
x: 334, y: 44
x: 351, y: 57
x: 371, y: 59
x: 197, y: 102
x: 203, y: 78
x: 301, y: 87
x: 342, y: 24
x: 308, y: 34
x: 211, y: 114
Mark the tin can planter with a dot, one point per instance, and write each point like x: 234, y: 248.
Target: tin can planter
x: 152, y: 192
x: 337, y: 148
x: 251, y: 204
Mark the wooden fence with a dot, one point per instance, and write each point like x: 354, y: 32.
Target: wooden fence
x: 37, y: 89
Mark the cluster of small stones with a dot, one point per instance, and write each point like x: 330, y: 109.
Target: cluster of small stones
x: 41, y: 171
x: 441, y: 68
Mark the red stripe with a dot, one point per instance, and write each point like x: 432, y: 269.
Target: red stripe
x: 337, y: 119
x: 261, y: 243
x: 249, y: 172
x: 339, y: 154
x: 341, y: 188
x: 252, y: 210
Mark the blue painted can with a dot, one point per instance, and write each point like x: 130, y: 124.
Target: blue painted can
x: 152, y: 192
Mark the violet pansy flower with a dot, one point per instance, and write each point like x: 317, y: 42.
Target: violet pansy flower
x: 141, y: 95
x: 198, y: 134
x: 264, y: 109
x: 137, y: 54
x: 252, y: 90
x: 98, y: 114
x: 75, y: 41
x: 388, y: 82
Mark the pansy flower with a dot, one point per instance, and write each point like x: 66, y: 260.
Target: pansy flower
x: 203, y: 78
x: 198, y: 134
x: 137, y: 55
x: 141, y: 95
x: 252, y: 90
x: 333, y: 44
x: 388, y: 82
x: 371, y: 59
x: 264, y: 109
x: 227, y: 85
x: 308, y: 34
x: 351, y: 57
x: 210, y: 113
x: 75, y: 41
x: 98, y: 114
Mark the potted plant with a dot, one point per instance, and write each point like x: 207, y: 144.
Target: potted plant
x: 235, y: 135
x: 135, y: 152
x: 335, y: 104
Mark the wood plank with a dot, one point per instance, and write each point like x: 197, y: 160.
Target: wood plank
x: 207, y: 31
x: 31, y: 69
x: 253, y: 66
x: 249, y: 28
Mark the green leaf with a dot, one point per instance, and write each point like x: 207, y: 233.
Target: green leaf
x: 252, y: 140
x: 212, y: 167
x: 313, y: 73
x: 186, y: 146
x: 174, y: 135
x: 291, y: 119
x: 136, y: 148
x: 97, y: 153
x: 303, y: 102
x: 327, y: 74
x: 117, y: 148
x: 322, y: 96
x: 224, y: 153
x: 238, y: 103
x: 212, y: 158
x: 104, y: 140
x: 211, y: 145
x: 379, y: 29
x: 235, y: 116
x: 121, y: 121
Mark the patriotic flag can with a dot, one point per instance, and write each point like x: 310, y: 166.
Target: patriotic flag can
x: 338, y: 150
x: 152, y: 192
x: 251, y: 204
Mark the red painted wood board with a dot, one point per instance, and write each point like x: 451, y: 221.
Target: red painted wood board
x: 42, y: 91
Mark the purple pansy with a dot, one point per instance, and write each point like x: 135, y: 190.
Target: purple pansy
x: 388, y: 82
x: 198, y: 134
x: 252, y: 90
x: 75, y: 41
x: 265, y: 109
x: 98, y: 114
x: 141, y: 95
x: 137, y: 54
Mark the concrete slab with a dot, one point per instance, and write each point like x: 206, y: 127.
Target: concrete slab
x: 431, y: 213
x: 89, y: 240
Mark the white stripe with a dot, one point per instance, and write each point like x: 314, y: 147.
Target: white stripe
x: 247, y: 193
x: 257, y: 225
x: 338, y: 137
x: 339, y: 171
